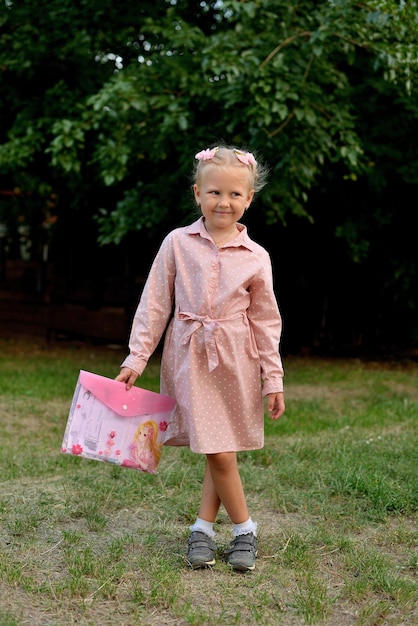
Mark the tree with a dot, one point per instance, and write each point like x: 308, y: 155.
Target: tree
x: 129, y: 91
x: 104, y: 105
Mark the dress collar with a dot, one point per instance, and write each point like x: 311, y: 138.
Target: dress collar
x: 198, y: 228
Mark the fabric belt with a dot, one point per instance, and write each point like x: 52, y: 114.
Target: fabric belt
x: 210, y: 326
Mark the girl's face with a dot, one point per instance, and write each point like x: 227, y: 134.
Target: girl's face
x: 146, y: 432
x: 223, y: 194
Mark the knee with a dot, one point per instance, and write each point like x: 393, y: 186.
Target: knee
x: 222, y: 462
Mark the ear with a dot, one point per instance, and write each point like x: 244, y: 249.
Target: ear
x: 249, y: 198
x: 196, y: 194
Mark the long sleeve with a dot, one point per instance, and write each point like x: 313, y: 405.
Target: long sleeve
x: 222, y: 341
x: 154, y: 309
x: 266, y: 323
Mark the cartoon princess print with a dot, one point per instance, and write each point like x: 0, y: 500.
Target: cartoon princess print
x: 145, y: 449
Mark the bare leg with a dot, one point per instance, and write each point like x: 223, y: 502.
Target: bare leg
x: 210, y: 501
x: 222, y: 483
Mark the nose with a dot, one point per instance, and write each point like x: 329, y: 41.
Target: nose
x: 223, y: 201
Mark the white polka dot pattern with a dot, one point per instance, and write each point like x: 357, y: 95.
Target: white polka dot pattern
x: 221, y: 350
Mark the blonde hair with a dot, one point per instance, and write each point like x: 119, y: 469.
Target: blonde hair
x: 152, y: 443
x: 230, y: 156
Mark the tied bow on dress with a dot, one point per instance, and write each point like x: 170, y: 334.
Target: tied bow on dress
x: 210, y: 326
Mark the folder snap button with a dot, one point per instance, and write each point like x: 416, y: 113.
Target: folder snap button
x: 125, y: 406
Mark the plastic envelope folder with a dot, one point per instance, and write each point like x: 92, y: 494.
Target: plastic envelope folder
x: 108, y: 423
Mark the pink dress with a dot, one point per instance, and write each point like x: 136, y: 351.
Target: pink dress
x: 221, y: 349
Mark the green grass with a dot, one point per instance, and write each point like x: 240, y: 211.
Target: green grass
x: 334, y: 492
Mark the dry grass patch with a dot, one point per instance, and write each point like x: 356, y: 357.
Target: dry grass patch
x: 333, y: 491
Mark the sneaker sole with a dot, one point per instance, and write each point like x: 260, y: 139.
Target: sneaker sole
x: 202, y: 564
x: 242, y: 568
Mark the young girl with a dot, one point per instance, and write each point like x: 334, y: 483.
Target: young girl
x: 221, y: 349
x: 145, y: 449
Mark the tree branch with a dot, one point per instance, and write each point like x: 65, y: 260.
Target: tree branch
x: 285, y: 123
x: 284, y: 43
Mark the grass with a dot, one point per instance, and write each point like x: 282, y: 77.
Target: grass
x: 334, y: 492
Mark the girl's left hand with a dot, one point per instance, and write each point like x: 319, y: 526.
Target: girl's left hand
x: 275, y: 405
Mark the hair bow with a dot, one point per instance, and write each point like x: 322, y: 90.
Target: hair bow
x: 245, y: 157
x: 206, y: 155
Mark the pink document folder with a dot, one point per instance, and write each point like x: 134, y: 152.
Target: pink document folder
x: 108, y: 423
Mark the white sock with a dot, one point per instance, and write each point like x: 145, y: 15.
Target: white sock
x: 246, y: 527
x: 203, y: 526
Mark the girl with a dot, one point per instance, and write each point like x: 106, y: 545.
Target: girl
x: 145, y: 449
x: 221, y: 349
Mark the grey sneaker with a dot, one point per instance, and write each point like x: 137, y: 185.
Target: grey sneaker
x: 201, y: 550
x: 242, y: 552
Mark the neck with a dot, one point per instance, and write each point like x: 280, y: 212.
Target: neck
x: 222, y: 237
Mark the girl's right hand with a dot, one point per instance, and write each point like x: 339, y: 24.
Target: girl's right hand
x: 127, y: 376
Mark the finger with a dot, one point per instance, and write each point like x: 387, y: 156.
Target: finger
x: 278, y: 411
x: 123, y: 377
x: 273, y: 411
x: 130, y: 381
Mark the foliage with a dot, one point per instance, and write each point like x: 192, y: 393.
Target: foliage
x: 103, y: 105
x: 121, y: 97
